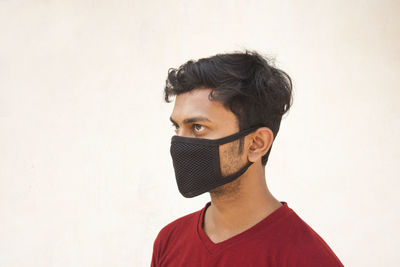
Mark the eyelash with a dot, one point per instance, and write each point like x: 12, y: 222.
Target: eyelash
x: 193, y: 126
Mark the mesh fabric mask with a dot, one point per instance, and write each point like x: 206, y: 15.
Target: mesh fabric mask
x: 196, y: 162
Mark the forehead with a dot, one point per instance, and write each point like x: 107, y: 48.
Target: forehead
x: 196, y: 103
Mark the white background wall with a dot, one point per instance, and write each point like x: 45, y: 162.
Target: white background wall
x: 86, y: 177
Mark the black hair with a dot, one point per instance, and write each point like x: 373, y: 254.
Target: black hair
x: 245, y: 82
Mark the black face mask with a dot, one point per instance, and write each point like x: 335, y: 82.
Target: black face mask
x: 197, y: 164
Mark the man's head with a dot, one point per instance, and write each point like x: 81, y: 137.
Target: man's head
x: 197, y: 166
x: 234, y: 91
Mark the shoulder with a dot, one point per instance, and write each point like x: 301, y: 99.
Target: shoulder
x: 173, y: 235
x: 309, y: 247
x: 179, y: 223
x: 178, y: 227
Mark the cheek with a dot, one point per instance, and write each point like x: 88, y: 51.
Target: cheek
x: 230, y: 159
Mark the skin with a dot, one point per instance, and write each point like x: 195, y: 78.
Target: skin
x: 239, y: 205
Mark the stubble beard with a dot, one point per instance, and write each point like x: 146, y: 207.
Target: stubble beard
x: 231, y: 162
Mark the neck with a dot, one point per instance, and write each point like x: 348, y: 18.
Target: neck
x: 240, y: 205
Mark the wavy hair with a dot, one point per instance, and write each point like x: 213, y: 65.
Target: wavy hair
x: 244, y: 82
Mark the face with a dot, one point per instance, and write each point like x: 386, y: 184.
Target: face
x: 194, y: 115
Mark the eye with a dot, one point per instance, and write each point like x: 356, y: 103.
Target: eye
x: 175, y: 126
x: 198, y: 127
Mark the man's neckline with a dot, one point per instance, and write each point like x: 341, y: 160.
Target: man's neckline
x: 215, y: 247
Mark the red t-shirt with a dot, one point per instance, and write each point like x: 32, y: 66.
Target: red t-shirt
x: 280, y: 239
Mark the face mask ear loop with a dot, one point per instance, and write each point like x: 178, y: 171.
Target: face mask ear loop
x: 230, y: 178
x: 216, y: 142
x: 240, y: 172
x: 237, y: 135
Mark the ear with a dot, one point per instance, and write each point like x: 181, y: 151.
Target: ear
x: 260, y: 142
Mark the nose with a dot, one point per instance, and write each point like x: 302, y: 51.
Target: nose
x: 183, y: 132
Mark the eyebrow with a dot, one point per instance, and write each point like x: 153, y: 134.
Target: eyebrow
x: 191, y: 120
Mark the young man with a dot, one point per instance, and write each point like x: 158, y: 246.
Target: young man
x: 227, y: 113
